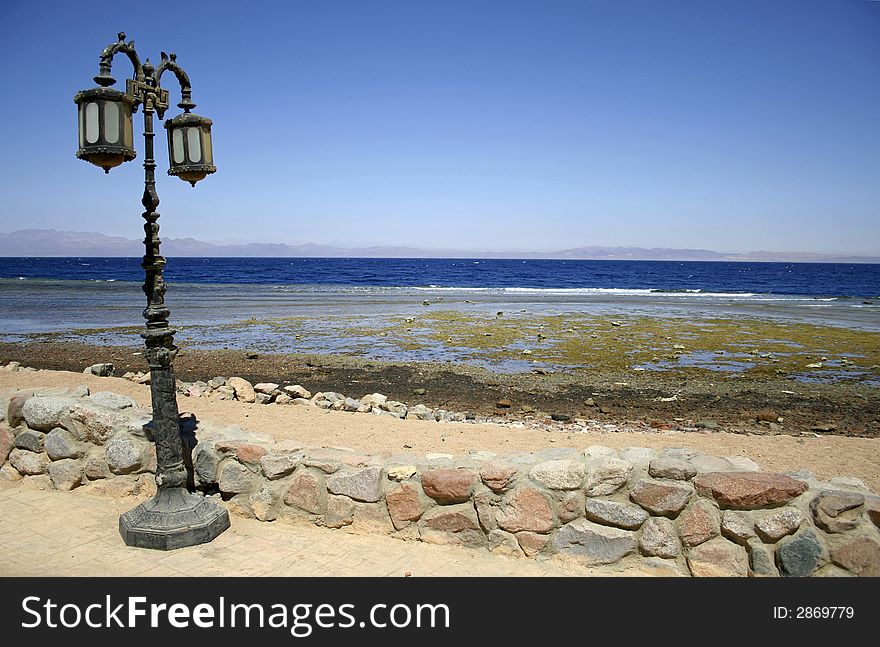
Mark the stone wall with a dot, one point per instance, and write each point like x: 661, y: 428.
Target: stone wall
x: 682, y: 512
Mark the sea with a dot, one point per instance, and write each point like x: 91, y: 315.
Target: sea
x: 100, y: 299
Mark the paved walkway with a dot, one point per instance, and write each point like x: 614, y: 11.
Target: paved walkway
x: 52, y: 533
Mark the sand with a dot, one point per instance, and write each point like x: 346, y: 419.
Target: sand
x: 826, y: 456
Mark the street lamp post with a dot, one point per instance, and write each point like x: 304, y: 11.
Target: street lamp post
x: 175, y: 517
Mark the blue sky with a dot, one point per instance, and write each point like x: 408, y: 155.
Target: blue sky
x: 733, y: 126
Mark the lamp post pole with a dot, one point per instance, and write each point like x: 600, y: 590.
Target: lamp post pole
x: 175, y: 517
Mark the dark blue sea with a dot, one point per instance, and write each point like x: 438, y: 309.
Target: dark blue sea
x: 860, y: 281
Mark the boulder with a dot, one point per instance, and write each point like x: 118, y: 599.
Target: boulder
x: 667, y: 467
x: 718, y: 558
x: 799, y: 556
x: 45, y: 413
x: 737, y: 527
x: 421, y: 412
x: 526, y: 509
x: 531, y: 542
x: 60, y: 443
x: 761, y: 559
x: 205, y: 461
x: 748, y: 490
x: 31, y: 440
x: 104, y: 369
x: 776, y: 525
x: 698, y: 524
x: 593, y: 543
x: 297, y: 391
x: 28, y: 463
x: 265, y: 503
x: 452, y: 524
x: 66, y: 473
x: 111, y: 400
x: 571, y: 506
x: 307, y: 491
x: 610, y: 513
x: 660, y: 498
x: 837, y: 511
x: 125, y: 453
x: 235, y: 478
x: 559, y: 474
x: 497, y: 476
x: 404, y: 505
x: 268, y: 388
x: 7, y: 442
x: 504, y: 543
x: 659, y: 539
x: 340, y: 511
x: 606, y: 475
x: 860, y: 556
x: 244, y: 390
x: 14, y: 414
x: 278, y: 464
x: 363, y: 485
x: 447, y: 486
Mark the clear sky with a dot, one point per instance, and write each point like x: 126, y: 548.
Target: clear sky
x: 727, y: 125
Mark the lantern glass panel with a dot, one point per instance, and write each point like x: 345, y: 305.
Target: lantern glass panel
x: 206, y: 141
x: 92, y: 123
x: 82, y: 134
x: 111, y: 122
x: 126, y: 128
x: 194, y: 144
x: 177, y: 145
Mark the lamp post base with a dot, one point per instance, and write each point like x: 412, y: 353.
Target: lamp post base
x: 174, y: 518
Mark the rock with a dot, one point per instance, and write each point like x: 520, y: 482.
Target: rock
x: 620, y: 515
x: 748, y: 490
x: 7, y: 442
x: 28, y: 463
x: 9, y: 474
x: 421, y: 412
x: 799, y: 556
x: 454, y: 524
x: 205, y: 460
x: 767, y: 415
x: 419, y: 391
x: 776, y: 525
x: 101, y: 370
x: 531, y: 542
x: 340, y: 511
x: 608, y: 474
x: 560, y: 417
x: 397, y: 409
x: 66, y: 473
x: 244, y: 452
x: 497, y: 476
x: 638, y: 457
x: 698, y: 524
x: 525, y: 509
x: 599, y: 451
x: 14, y: 414
x: 95, y: 424
x: 589, y: 402
x: 447, y: 486
x: 283, y: 398
x: 235, y: 478
x: 849, y: 483
x: 269, y: 388
x: 671, y: 468
x: 112, y: 400
x: 401, y: 472
x: 95, y: 464
x: 559, y: 474
x: 404, y: 505
x: 704, y: 463
x: 45, y: 413
x: 761, y: 559
x: 872, y: 508
x: 823, y: 427
x: 297, y: 391
x: 374, y: 400
x: 718, y: 558
x: 30, y: 440
x: 837, y: 511
x: 861, y: 556
x: 307, y: 491
x: 660, y: 498
x: 125, y: 453
x: 742, y: 464
x: 594, y: 543
x: 504, y: 543
x: 706, y: 424
x: 277, y: 464
x: 60, y: 444
x: 262, y: 398
x: 216, y: 382
x: 504, y: 404
x: 265, y: 504
x: 736, y: 527
x: 364, y: 485
x: 659, y: 539
x: 244, y: 390
x: 571, y: 507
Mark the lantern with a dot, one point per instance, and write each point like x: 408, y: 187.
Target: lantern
x: 105, y: 134
x: 190, y: 155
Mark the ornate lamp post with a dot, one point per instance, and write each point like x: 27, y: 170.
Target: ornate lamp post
x: 175, y: 517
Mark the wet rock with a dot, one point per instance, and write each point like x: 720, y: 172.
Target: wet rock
x: 244, y: 390
x: 404, y: 505
x: 861, y: 556
x: 799, y: 556
x: 275, y: 465
x: 45, y: 413
x: 761, y: 559
x: 497, y: 476
x: 776, y: 525
x: 307, y: 491
x: 748, y: 490
x: 736, y: 527
x: 364, y: 485
x: 610, y: 513
x: 66, y: 474
x: 60, y: 443
x: 30, y: 440
x: 448, y: 486
x: 660, y: 498
x: 593, y: 543
x: 606, y: 475
x: 559, y: 474
x: 659, y: 539
x: 671, y: 468
x: 235, y: 478
x: 526, y: 509
x: 28, y: 463
x: 837, y: 511
x: 718, y: 558
x: 698, y: 524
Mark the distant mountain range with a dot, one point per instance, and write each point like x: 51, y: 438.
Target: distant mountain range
x: 48, y: 242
